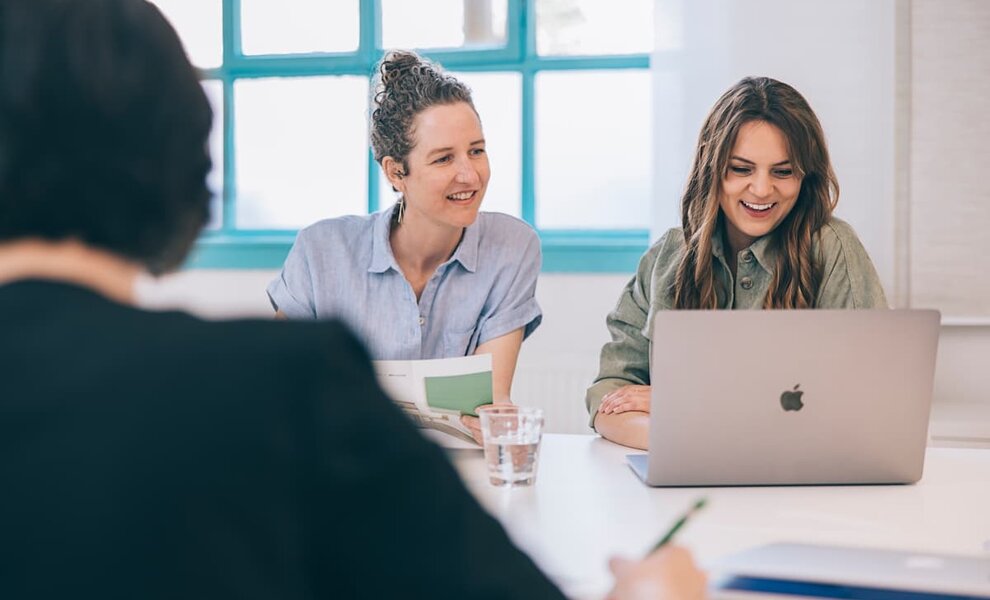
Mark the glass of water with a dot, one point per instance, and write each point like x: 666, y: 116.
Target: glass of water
x: 512, y: 442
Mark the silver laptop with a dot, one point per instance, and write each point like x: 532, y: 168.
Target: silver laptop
x: 780, y: 397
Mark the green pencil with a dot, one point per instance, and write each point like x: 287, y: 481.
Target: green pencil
x: 666, y: 539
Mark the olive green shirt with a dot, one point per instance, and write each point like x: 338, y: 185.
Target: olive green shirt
x: 849, y: 281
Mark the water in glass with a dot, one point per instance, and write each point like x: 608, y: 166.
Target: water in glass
x: 512, y: 442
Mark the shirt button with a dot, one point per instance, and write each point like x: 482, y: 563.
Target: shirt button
x: 422, y: 320
x: 747, y: 257
x: 746, y: 283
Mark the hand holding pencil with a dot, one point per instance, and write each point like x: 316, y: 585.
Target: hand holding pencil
x: 668, y: 572
x: 679, y: 523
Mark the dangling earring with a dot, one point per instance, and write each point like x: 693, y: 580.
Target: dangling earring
x: 401, y: 210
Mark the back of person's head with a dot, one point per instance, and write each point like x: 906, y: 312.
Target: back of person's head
x: 797, y: 275
x: 103, y: 129
x: 405, y: 85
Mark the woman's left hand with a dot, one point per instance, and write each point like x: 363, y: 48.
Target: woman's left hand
x: 626, y: 398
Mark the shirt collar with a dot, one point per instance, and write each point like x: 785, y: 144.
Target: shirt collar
x: 762, y: 249
x: 382, y: 258
x: 467, y: 250
x: 764, y: 253
x: 717, y: 250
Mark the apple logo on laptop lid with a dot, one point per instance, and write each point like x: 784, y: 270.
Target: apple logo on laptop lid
x: 791, y: 399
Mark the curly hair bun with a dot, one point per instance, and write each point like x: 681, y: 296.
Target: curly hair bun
x: 405, y: 85
x: 398, y: 64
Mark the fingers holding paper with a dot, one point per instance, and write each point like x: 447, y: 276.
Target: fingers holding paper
x: 474, y: 426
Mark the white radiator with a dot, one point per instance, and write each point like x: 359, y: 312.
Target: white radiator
x: 559, y: 391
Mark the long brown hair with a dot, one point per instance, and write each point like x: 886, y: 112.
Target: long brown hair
x: 797, y: 274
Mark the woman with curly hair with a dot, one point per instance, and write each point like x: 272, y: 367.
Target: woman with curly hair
x: 757, y: 233
x: 430, y: 276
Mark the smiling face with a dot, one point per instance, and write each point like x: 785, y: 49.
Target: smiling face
x: 448, y: 168
x: 761, y: 185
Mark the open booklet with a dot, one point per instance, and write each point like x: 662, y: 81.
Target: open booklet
x: 435, y: 393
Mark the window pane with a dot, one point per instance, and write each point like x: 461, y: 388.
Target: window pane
x: 443, y: 23
x: 214, y: 91
x: 198, y: 25
x: 386, y: 196
x: 593, y: 149
x: 594, y: 26
x: 299, y: 26
x: 497, y: 98
x: 301, y: 150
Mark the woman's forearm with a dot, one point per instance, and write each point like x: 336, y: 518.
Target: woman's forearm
x: 505, y: 352
x: 629, y: 428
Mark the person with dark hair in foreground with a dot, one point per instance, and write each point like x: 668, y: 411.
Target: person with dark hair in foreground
x: 154, y: 455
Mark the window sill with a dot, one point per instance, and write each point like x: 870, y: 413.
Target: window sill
x: 563, y: 251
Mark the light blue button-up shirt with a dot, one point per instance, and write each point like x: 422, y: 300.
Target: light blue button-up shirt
x: 344, y: 268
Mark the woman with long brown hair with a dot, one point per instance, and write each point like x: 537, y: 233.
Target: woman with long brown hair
x: 757, y: 232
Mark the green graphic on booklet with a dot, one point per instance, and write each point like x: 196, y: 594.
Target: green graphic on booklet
x: 463, y: 393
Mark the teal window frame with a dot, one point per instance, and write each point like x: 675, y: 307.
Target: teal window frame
x: 564, y: 250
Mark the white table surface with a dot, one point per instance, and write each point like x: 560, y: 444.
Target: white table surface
x: 587, y: 505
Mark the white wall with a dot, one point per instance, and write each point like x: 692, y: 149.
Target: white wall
x: 950, y: 199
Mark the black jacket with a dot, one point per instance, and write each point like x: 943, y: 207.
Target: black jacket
x: 156, y: 455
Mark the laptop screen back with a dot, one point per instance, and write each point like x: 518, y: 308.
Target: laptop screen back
x: 790, y: 397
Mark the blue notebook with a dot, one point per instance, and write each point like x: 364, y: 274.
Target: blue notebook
x: 813, y: 571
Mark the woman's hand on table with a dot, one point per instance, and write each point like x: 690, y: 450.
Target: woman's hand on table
x: 626, y: 398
